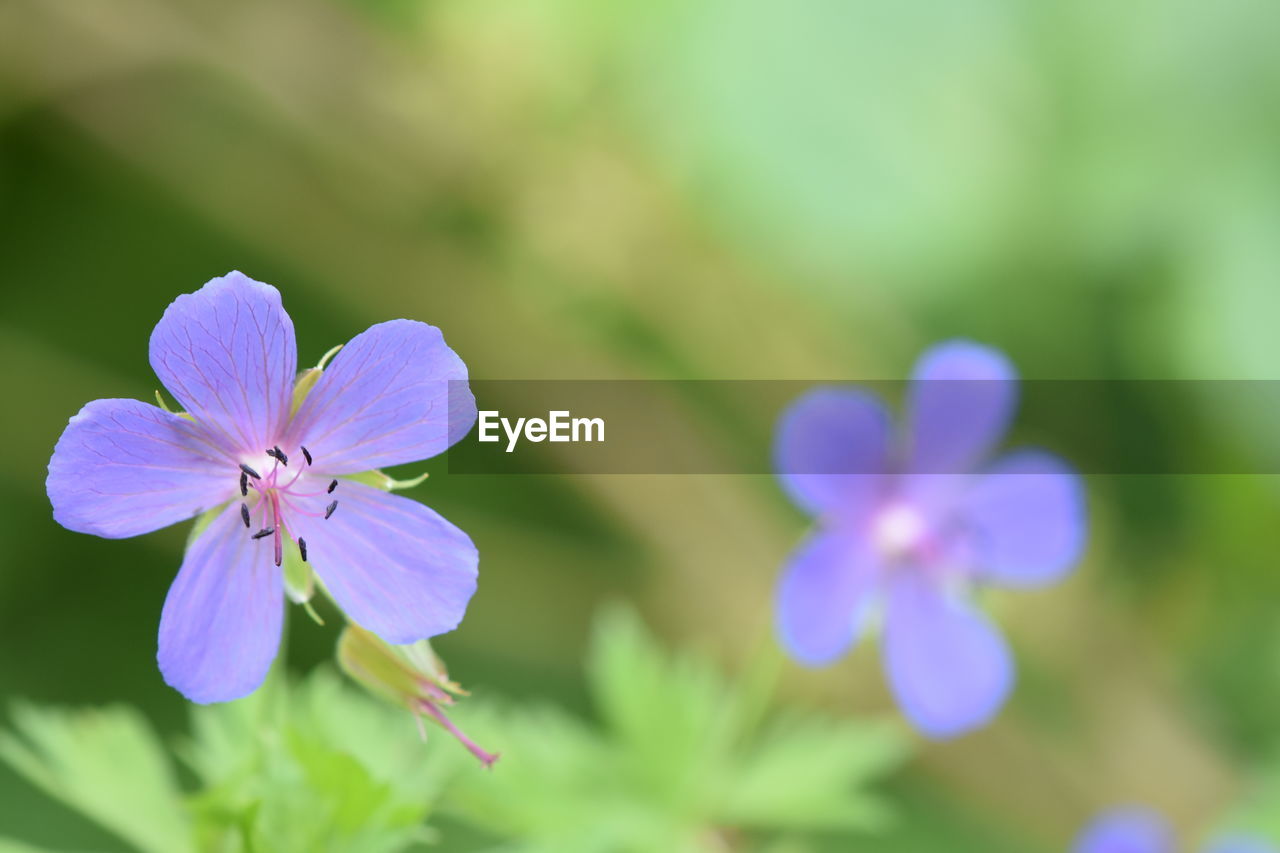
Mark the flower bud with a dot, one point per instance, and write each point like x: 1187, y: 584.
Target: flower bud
x: 409, y: 675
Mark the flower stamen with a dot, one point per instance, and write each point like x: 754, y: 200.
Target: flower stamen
x: 302, y: 548
x: 276, y: 496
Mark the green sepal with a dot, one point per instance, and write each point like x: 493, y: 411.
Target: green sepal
x: 324, y: 359
x: 165, y: 406
x: 379, y: 480
x: 400, y: 674
x: 307, y: 380
x: 299, y: 582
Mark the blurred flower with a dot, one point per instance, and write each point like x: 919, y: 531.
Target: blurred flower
x: 409, y: 675
x: 1142, y: 831
x: 275, y: 468
x: 917, y: 527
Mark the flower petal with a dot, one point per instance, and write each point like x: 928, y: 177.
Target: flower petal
x: 832, y: 450
x: 220, y: 627
x: 396, y: 393
x: 1126, y: 831
x: 1241, y: 844
x: 1027, y: 518
x: 227, y: 353
x: 949, y: 668
x: 123, y: 467
x: 962, y: 398
x: 394, y: 566
x: 824, y: 594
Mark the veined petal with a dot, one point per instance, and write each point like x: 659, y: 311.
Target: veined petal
x: 824, y: 595
x: 832, y: 450
x: 1126, y: 831
x: 396, y: 393
x: 1027, y: 519
x: 227, y: 353
x: 220, y: 627
x: 962, y: 398
x: 394, y: 566
x: 123, y: 467
x: 947, y: 665
x: 1237, y: 843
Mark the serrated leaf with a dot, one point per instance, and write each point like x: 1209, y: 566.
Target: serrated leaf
x: 812, y: 773
x: 677, y: 764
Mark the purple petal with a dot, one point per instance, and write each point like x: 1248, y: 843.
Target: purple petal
x: 962, y: 398
x: 832, y: 450
x: 227, y: 353
x: 1126, y: 831
x: 824, y: 595
x: 385, y: 400
x: 1241, y: 844
x: 1027, y: 518
x: 394, y: 566
x: 949, y: 668
x: 220, y: 626
x: 123, y: 467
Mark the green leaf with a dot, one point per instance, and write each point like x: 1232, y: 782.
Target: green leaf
x: 107, y: 764
x: 8, y: 845
x: 324, y: 767
x: 666, y: 711
x: 677, y: 763
x: 811, y: 773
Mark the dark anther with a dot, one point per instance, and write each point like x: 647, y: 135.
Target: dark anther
x: 333, y: 486
x: 266, y: 531
x: 279, y: 454
x: 306, y: 454
x: 244, y: 513
x: 302, y: 548
x: 252, y: 473
x: 328, y: 511
x: 244, y: 485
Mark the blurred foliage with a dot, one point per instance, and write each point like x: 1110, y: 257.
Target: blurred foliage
x: 321, y: 768
x: 683, y: 762
x: 711, y: 189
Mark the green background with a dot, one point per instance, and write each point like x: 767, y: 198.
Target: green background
x: 728, y: 189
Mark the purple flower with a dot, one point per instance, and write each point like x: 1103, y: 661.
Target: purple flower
x: 1142, y: 831
x: 914, y: 526
x: 273, y: 466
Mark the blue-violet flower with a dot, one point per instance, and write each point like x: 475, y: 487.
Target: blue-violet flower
x: 274, y: 470
x: 915, y: 525
x: 1142, y: 831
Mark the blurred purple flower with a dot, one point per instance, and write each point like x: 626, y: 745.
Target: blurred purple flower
x: 279, y: 469
x: 915, y: 526
x: 1142, y: 831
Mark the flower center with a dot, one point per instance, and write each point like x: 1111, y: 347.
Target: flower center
x: 898, y: 531
x: 280, y: 492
